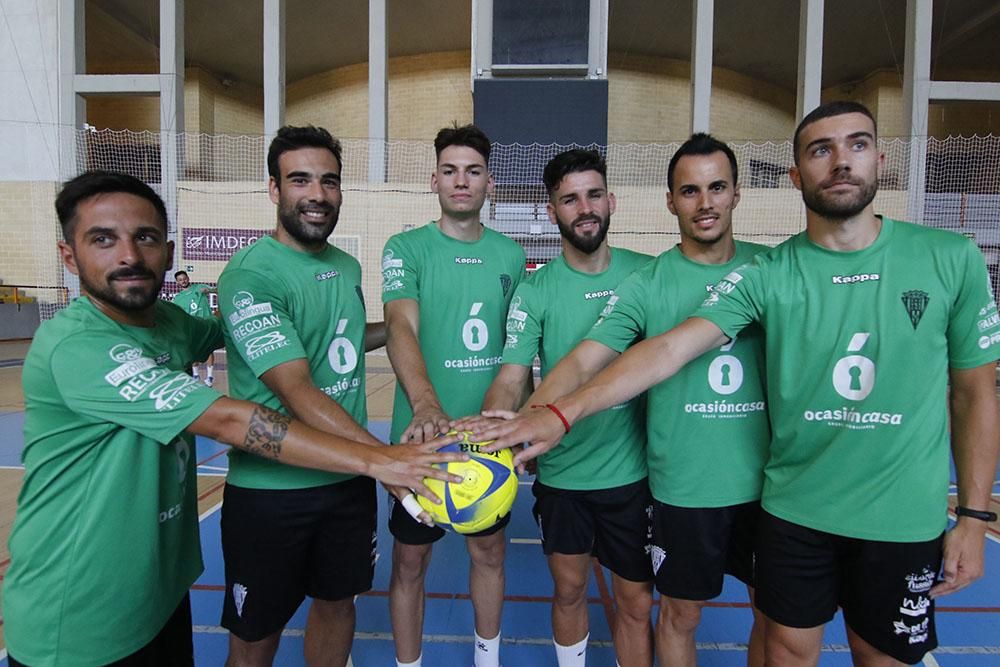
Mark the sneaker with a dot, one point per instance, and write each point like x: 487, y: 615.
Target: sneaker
x: 209, y: 382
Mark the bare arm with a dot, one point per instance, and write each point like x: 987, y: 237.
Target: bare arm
x: 583, y: 362
x: 374, y: 336
x: 645, y: 364
x: 272, y: 435
x: 509, y: 389
x: 975, y: 440
x: 402, y: 321
x: 292, y: 383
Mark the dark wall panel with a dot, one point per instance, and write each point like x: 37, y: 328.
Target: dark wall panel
x: 542, y: 111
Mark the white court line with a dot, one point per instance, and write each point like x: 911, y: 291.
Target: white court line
x: 525, y: 540
x: 210, y: 511
x: 930, y: 661
x: 214, y: 468
x: 11, y: 467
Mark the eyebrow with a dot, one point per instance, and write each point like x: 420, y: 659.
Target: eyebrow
x: 853, y: 135
x: 308, y: 174
x: 110, y: 231
x: 449, y: 165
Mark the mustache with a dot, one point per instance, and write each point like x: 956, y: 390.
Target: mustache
x: 841, y: 179
x: 136, y: 272
x: 326, y: 208
x: 587, y: 218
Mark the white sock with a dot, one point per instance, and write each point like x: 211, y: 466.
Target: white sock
x: 415, y: 663
x: 572, y: 656
x: 194, y: 371
x: 210, y: 371
x: 487, y: 651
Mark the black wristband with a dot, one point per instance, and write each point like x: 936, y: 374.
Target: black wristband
x: 975, y: 514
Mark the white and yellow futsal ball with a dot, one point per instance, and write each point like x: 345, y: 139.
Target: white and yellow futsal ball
x: 485, y: 494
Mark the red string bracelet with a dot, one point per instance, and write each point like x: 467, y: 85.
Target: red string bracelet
x: 559, y: 414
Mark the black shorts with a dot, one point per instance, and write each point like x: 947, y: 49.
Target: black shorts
x: 611, y: 524
x: 693, y: 547
x: 407, y: 530
x: 805, y: 574
x: 173, y: 645
x: 282, y: 545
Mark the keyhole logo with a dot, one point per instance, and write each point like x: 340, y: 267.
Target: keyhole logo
x: 475, y: 335
x: 854, y: 375
x: 725, y: 374
x: 342, y: 355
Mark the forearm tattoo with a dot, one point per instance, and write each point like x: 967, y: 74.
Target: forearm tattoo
x: 265, y: 432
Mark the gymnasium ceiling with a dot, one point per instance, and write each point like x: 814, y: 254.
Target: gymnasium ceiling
x: 757, y: 38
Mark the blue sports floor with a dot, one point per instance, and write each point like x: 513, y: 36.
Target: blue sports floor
x: 968, y: 622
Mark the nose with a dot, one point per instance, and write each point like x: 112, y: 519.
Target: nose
x: 703, y: 201
x: 129, y: 253
x: 461, y: 179
x: 315, y: 190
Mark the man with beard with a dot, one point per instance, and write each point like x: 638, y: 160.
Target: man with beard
x: 296, y: 337
x: 446, y: 287
x: 867, y: 320
x: 193, y: 299
x: 591, y: 494
x: 105, y: 542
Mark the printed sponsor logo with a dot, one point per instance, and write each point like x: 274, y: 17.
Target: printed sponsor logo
x: 852, y: 418
x: 135, y: 387
x: 733, y: 277
x: 239, y: 598
x: 986, y: 341
x: 162, y: 359
x: 255, y: 325
x: 712, y: 299
x: 917, y: 633
x: 217, y: 244
x: 990, y: 307
x: 390, y: 274
x: 475, y: 333
x: 609, y: 306
x: 511, y: 341
x: 724, y: 408
x: 916, y: 607
x: 915, y: 301
x: 600, y: 294
x: 261, y: 345
x: 123, y: 352
x: 342, y: 354
x: 341, y: 386
x: 255, y: 310
x: 129, y: 370
x: 392, y: 287
x: 515, y: 317
x: 390, y: 262
x: 326, y: 275
x: 468, y: 260
x: 242, y: 299
x: 920, y: 582
x: 169, y: 394
x: 856, y: 278
x: 170, y: 513
x: 657, y: 555
x: 475, y: 363
x: 989, y: 322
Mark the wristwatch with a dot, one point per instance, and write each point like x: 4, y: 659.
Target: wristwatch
x: 975, y: 514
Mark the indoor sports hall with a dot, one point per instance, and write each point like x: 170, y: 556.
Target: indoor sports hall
x: 186, y: 96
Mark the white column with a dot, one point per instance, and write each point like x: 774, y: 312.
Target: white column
x: 482, y: 40
x: 810, y: 79
x: 171, y: 105
x: 597, y: 44
x: 274, y: 67
x: 72, y: 107
x: 916, y: 91
x: 378, y: 90
x: 701, y: 64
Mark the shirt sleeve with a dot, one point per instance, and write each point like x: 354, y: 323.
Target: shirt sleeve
x: 255, y: 313
x: 623, y: 319
x: 737, y: 299
x: 109, y: 380
x: 524, y: 327
x: 400, y: 271
x: 974, y: 323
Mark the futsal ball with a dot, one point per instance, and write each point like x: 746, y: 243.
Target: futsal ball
x: 485, y: 494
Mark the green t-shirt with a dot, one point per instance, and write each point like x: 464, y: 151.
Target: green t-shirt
x: 463, y: 290
x: 707, y: 429
x: 194, y: 300
x: 105, y: 540
x: 277, y: 305
x: 858, y: 350
x: 549, y: 314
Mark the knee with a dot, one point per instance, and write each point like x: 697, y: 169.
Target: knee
x: 682, y: 616
x: 487, y: 553
x: 409, y: 563
x: 334, y: 609
x: 569, y: 592
x: 635, y: 606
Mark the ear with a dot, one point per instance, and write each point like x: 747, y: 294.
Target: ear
x: 434, y: 182
x: 795, y: 176
x: 736, y: 196
x: 68, y: 257
x: 489, y: 184
x: 670, y: 203
x: 612, y: 203
x: 170, y: 255
x: 881, y: 166
x: 551, y: 210
x: 273, y: 191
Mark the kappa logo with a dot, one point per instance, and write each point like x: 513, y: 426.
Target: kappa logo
x: 468, y: 260
x: 856, y: 278
x: 657, y: 555
x: 915, y: 301
x: 600, y: 294
x: 242, y: 299
x: 916, y: 607
x: 123, y: 352
x: 390, y: 262
x: 326, y: 275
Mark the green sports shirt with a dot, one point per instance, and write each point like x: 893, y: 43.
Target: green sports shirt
x: 278, y: 305
x: 194, y: 300
x: 706, y: 428
x: 549, y: 314
x: 105, y: 540
x: 463, y: 290
x: 858, y: 346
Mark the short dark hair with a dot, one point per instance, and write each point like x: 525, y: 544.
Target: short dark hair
x: 835, y: 108
x: 291, y: 138
x: 177, y: 273
x: 96, y: 182
x: 701, y: 143
x: 467, y: 135
x: 571, y: 162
